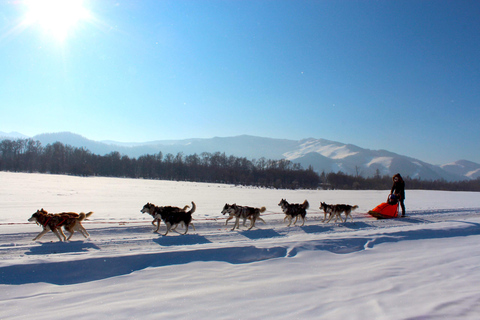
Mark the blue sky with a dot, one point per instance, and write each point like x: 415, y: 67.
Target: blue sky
x: 397, y: 75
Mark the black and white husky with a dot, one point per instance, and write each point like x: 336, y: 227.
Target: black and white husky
x: 244, y: 212
x: 171, y: 216
x: 337, y: 210
x: 294, y: 210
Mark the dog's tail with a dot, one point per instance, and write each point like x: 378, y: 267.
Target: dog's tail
x: 305, y: 204
x: 262, y: 209
x: 194, y: 207
x: 82, y: 216
x: 186, y: 207
x: 354, y: 207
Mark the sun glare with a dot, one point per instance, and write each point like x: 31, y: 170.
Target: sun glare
x: 56, y: 17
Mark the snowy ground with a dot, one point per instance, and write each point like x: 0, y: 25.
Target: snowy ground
x: 426, y: 266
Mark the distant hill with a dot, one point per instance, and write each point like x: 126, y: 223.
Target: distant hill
x: 463, y: 168
x: 323, y: 155
x: 12, y: 135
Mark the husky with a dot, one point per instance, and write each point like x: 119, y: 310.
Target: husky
x: 294, y: 210
x: 227, y: 208
x: 337, y: 210
x: 174, y: 218
x: 171, y: 216
x: 251, y: 213
x: 70, y: 221
x: 151, y: 209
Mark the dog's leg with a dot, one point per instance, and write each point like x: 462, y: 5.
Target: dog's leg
x: 296, y: 218
x: 71, y: 234
x: 253, y: 223
x: 351, y: 216
x: 303, y: 222
x: 338, y: 215
x: 289, y: 221
x: 168, y: 227
x: 58, y: 235
x: 78, y: 227
x: 69, y: 230
x: 186, y: 228
x: 331, y: 217
x: 228, y: 219
x: 84, y: 232
x: 158, y: 225
x: 182, y: 222
x: 237, y: 223
x: 41, y: 234
x: 325, y: 215
x: 62, y: 234
x: 261, y: 220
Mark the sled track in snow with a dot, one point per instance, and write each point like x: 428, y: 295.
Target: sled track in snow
x: 114, y: 250
x: 93, y: 268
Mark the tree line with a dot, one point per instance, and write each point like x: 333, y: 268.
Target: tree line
x: 27, y: 155
x: 343, y: 181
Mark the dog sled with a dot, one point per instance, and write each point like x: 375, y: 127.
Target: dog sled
x: 386, y: 210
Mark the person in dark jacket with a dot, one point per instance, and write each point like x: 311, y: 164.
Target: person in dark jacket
x: 398, y: 189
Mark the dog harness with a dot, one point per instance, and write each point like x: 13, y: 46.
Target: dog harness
x: 61, y: 223
x: 46, y: 222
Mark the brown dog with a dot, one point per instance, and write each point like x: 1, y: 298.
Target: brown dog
x: 70, y: 221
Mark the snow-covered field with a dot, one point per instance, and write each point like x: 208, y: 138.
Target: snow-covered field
x: 426, y: 266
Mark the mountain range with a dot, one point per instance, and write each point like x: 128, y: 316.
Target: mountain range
x: 322, y: 155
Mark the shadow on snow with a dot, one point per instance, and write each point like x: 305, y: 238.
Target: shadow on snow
x: 260, y: 234
x: 187, y: 239
x: 79, y: 271
x: 61, y: 247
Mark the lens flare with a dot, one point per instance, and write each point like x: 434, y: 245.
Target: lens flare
x: 56, y: 17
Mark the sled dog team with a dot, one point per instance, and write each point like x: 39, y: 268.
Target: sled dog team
x: 173, y: 216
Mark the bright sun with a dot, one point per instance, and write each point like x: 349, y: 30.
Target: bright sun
x: 56, y: 17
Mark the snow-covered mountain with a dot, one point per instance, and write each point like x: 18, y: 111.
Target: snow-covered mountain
x: 464, y: 168
x: 323, y: 155
x: 328, y: 156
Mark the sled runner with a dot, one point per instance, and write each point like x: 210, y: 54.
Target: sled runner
x: 384, y: 211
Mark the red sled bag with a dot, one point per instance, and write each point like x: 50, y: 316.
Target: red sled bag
x: 384, y: 211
